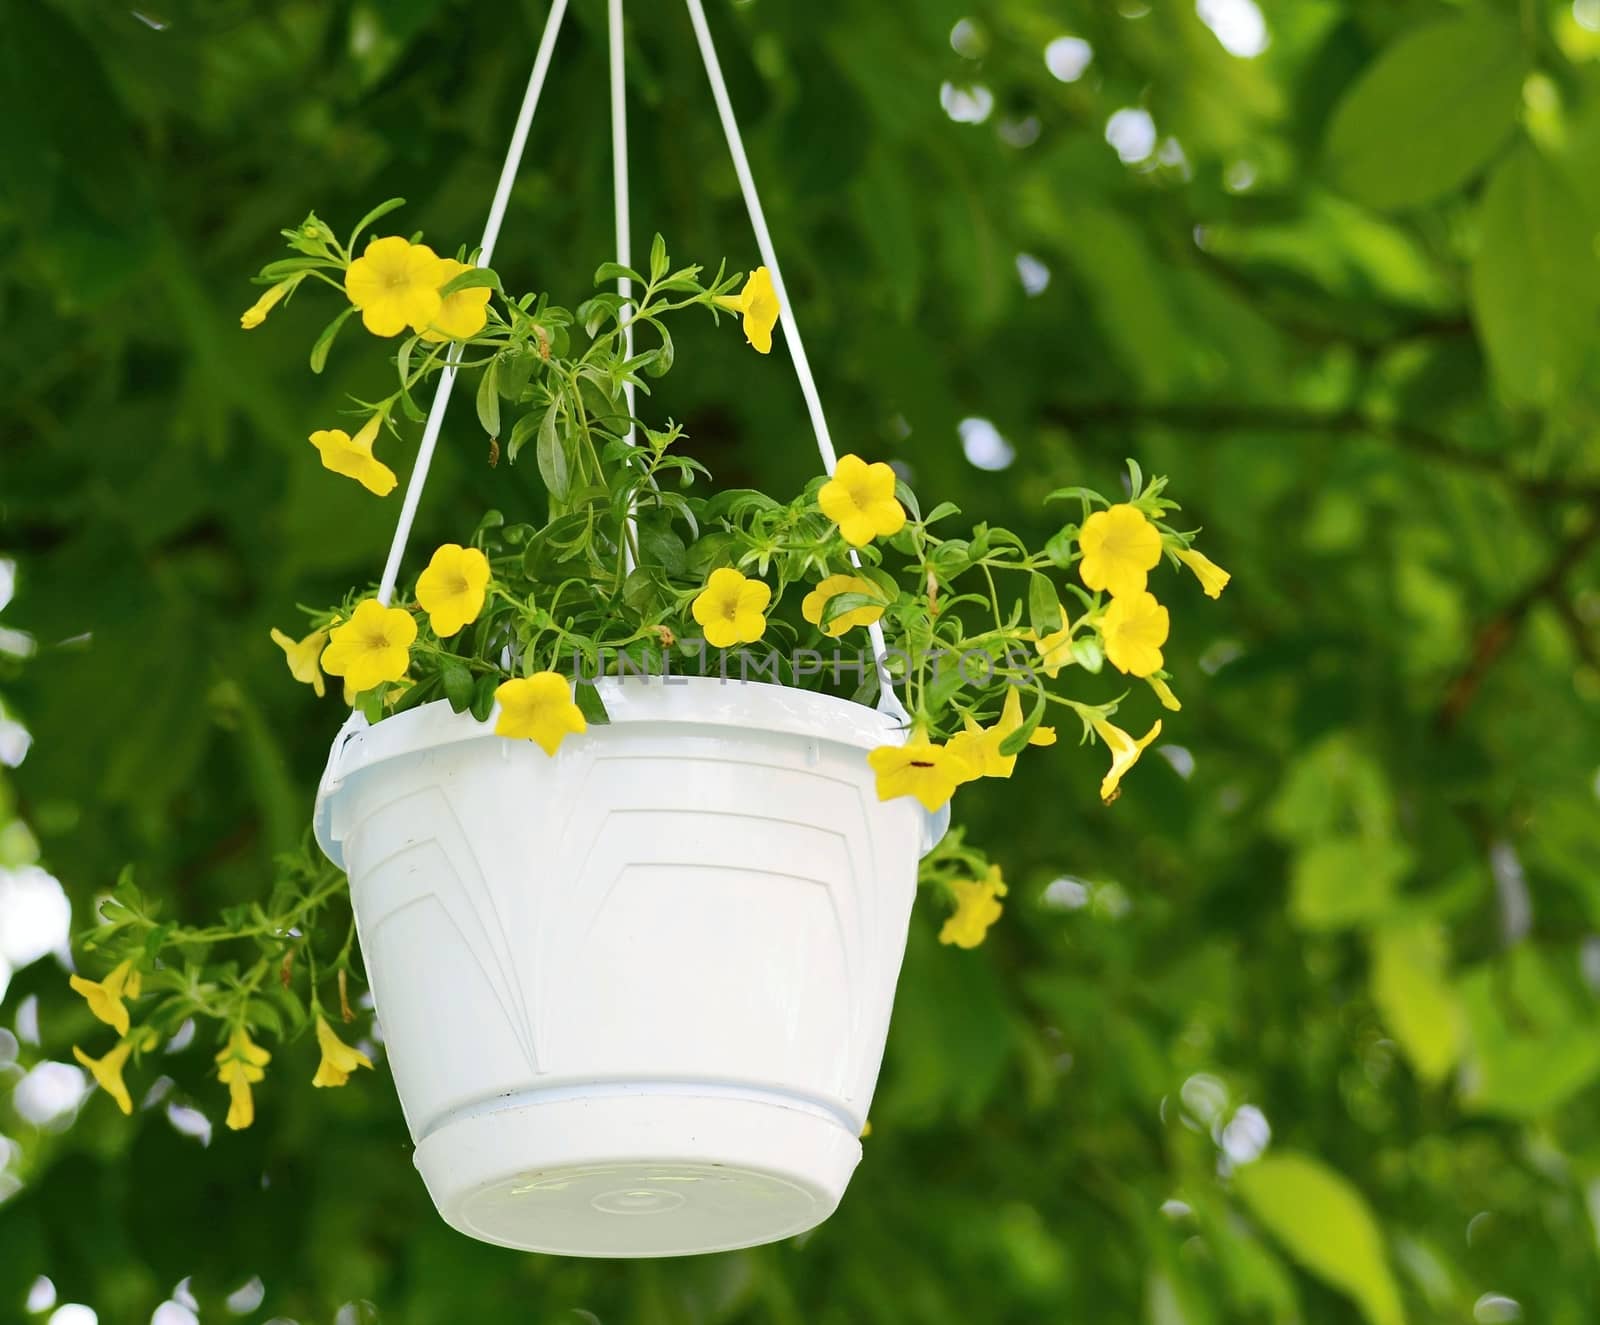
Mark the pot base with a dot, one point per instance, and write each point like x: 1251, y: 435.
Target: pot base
x: 616, y: 1171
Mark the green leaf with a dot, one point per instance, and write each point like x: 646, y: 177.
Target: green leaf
x: 483, y: 696
x: 489, y: 399
x: 1044, y: 608
x: 1346, y: 880
x: 1414, y: 996
x: 456, y: 677
x: 473, y: 278
x: 381, y: 210
x: 551, y: 455
x: 1324, y: 1223
x: 591, y: 704
x: 1535, y: 281
x: 658, y: 258
x: 1428, y: 114
x: 324, y: 342
x: 1014, y: 743
x: 608, y: 272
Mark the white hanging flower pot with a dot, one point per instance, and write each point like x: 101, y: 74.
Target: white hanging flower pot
x: 634, y: 996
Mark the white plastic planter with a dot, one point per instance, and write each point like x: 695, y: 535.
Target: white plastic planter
x: 634, y: 996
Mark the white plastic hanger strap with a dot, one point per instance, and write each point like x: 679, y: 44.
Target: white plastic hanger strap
x: 888, y: 701
x: 620, y: 210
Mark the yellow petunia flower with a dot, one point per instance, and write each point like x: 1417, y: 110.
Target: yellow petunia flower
x: 352, y: 456
x: 757, y: 303
x: 462, y: 314
x: 1133, y: 629
x: 451, y: 590
x: 732, y: 608
x: 1125, y: 752
x: 860, y: 499
x: 302, y: 656
x: 107, y: 1072
x: 395, y: 284
x: 1120, y: 548
x: 1213, y: 579
x: 256, y: 314
x: 1055, y: 649
x: 105, y: 996
x: 339, y: 1060
x: 1163, y: 693
x: 816, y: 603
x: 238, y: 1064
x: 539, y: 708
x: 977, y: 907
x: 921, y: 769
x: 372, y: 647
x: 979, y: 747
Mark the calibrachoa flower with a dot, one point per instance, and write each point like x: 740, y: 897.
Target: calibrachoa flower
x: 757, y: 303
x: 461, y: 314
x: 352, y: 456
x: 816, y: 603
x: 1134, y: 628
x: 256, y: 314
x: 539, y: 708
x: 1213, y: 579
x: 919, y: 768
x: 860, y: 499
x: 238, y: 1064
x: 731, y: 608
x: 1120, y: 548
x: 372, y: 647
x: 105, y: 996
x: 1125, y: 752
x: 979, y: 747
x: 1055, y: 649
x: 395, y: 284
x: 451, y: 589
x: 977, y: 907
x: 302, y: 656
x: 107, y: 1071
x: 339, y: 1060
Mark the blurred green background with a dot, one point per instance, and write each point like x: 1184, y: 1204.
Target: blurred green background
x: 1329, y: 264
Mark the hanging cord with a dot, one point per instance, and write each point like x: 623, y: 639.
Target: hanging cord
x: 619, y: 198
x: 888, y: 701
x: 491, y: 233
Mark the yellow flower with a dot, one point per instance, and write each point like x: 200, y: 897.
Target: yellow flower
x: 107, y: 1072
x: 860, y: 499
x: 732, y: 609
x: 372, y: 647
x: 462, y: 314
x: 395, y: 284
x: 1213, y: 579
x: 1163, y: 693
x: 451, y: 589
x: 238, y: 1064
x: 256, y: 314
x: 931, y: 773
x: 1055, y: 649
x: 1134, y: 628
x: 1120, y: 547
x: 352, y: 456
x: 1125, y: 752
x: 979, y: 747
x: 758, y: 303
x: 302, y: 656
x: 816, y: 603
x: 977, y: 907
x: 105, y: 996
x: 339, y: 1060
x: 540, y: 709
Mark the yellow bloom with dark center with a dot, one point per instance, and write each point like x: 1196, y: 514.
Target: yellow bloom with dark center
x: 107, y: 1072
x: 1125, y: 752
x: 731, y: 609
x: 539, y: 708
x: 815, y: 603
x: 979, y: 747
x: 1163, y: 693
x: 451, y: 590
x: 1134, y: 628
x: 1055, y: 649
x: 463, y: 313
x: 860, y: 499
x: 757, y: 304
x: 372, y: 647
x: 921, y: 769
x: 302, y: 656
x: 1120, y: 548
x: 352, y: 456
x: 977, y: 907
x: 1213, y: 579
x: 339, y: 1060
x: 105, y: 996
x: 395, y: 284
x: 256, y: 314
x: 239, y: 1064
